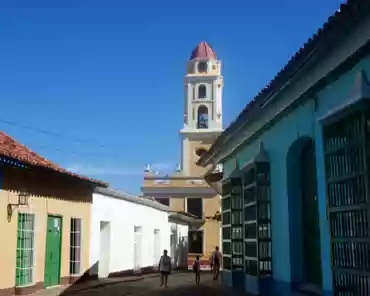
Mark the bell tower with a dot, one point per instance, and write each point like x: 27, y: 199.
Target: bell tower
x: 203, y: 85
x: 185, y: 190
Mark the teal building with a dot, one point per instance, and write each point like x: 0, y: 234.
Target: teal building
x: 293, y: 170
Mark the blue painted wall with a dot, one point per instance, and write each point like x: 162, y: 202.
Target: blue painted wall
x: 303, y: 122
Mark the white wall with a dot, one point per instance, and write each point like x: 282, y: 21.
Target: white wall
x: 123, y: 217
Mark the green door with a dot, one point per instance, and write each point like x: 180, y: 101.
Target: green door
x: 53, y: 251
x: 311, y: 225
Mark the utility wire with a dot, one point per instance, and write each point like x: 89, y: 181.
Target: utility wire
x: 63, y: 136
x: 112, y: 154
x: 48, y: 133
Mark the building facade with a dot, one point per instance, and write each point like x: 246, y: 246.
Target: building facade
x: 186, y: 189
x: 129, y: 234
x: 295, y: 179
x: 45, y: 221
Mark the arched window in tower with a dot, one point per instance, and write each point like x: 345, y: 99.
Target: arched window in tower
x: 202, y: 117
x: 202, y: 91
x: 202, y: 67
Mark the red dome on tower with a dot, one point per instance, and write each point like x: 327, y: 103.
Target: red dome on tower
x: 203, y: 51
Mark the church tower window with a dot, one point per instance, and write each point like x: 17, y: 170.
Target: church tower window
x: 202, y: 117
x: 202, y: 91
x: 202, y: 67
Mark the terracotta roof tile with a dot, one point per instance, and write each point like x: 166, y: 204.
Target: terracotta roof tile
x: 11, y: 148
x: 205, y: 51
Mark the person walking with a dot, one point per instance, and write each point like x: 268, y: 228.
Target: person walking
x: 165, y: 268
x: 216, y: 261
x: 196, y: 269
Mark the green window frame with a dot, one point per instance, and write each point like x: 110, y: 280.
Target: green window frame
x: 25, y: 267
x: 75, y: 246
x: 257, y: 219
x: 226, y: 225
x: 346, y: 139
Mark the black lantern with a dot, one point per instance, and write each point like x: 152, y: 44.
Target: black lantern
x: 23, y: 198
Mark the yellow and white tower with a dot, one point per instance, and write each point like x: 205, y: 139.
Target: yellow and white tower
x: 186, y: 189
x: 203, y: 106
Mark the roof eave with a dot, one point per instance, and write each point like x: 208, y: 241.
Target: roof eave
x: 183, y: 217
x: 112, y: 193
x: 305, y: 53
x: 234, y: 128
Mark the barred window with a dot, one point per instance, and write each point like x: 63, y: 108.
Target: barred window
x: 25, y: 250
x: 75, y: 246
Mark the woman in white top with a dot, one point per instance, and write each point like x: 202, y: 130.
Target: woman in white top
x: 165, y: 267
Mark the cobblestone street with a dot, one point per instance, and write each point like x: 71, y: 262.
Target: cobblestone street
x: 179, y: 284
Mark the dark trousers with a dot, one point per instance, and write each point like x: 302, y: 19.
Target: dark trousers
x: 216, y: 271
x: 197, y: 276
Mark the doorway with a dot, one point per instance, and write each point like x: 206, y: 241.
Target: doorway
x: 104, y: 250
x: 310, y: 217
x: 157, y: 246
x: 137, y: 248
x: 174, y: 253
x: 53, y: 251
x: 305, y: 249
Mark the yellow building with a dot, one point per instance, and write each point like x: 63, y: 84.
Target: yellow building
x: 186, y: 189
x: 45, y: 214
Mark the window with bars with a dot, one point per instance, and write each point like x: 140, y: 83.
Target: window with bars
x: 237, y: 224
x: 232, y: 221
x: 25, y: 250
x: 257, y: 219
x: 226, y: 233
x: 226, y: 225
x: 346, y: 150
x: 75, y: 246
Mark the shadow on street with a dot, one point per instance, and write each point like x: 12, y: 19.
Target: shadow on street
x: 180, y: 284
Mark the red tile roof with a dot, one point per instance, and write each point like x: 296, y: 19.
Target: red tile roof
x: 205, y: 51
x: 9, y: 147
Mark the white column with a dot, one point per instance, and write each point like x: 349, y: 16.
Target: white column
x: 214, y: 104
x: 189, y: 104
x: 185, y: 155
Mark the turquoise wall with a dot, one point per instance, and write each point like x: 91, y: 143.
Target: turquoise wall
x: 277, y: 141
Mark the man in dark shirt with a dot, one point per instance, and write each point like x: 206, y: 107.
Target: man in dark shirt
x: 216, y: 261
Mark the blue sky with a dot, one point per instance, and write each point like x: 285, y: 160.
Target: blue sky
x: 107, y: 76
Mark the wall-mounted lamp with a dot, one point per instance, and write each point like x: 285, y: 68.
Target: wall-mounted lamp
x: 23, y: 199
